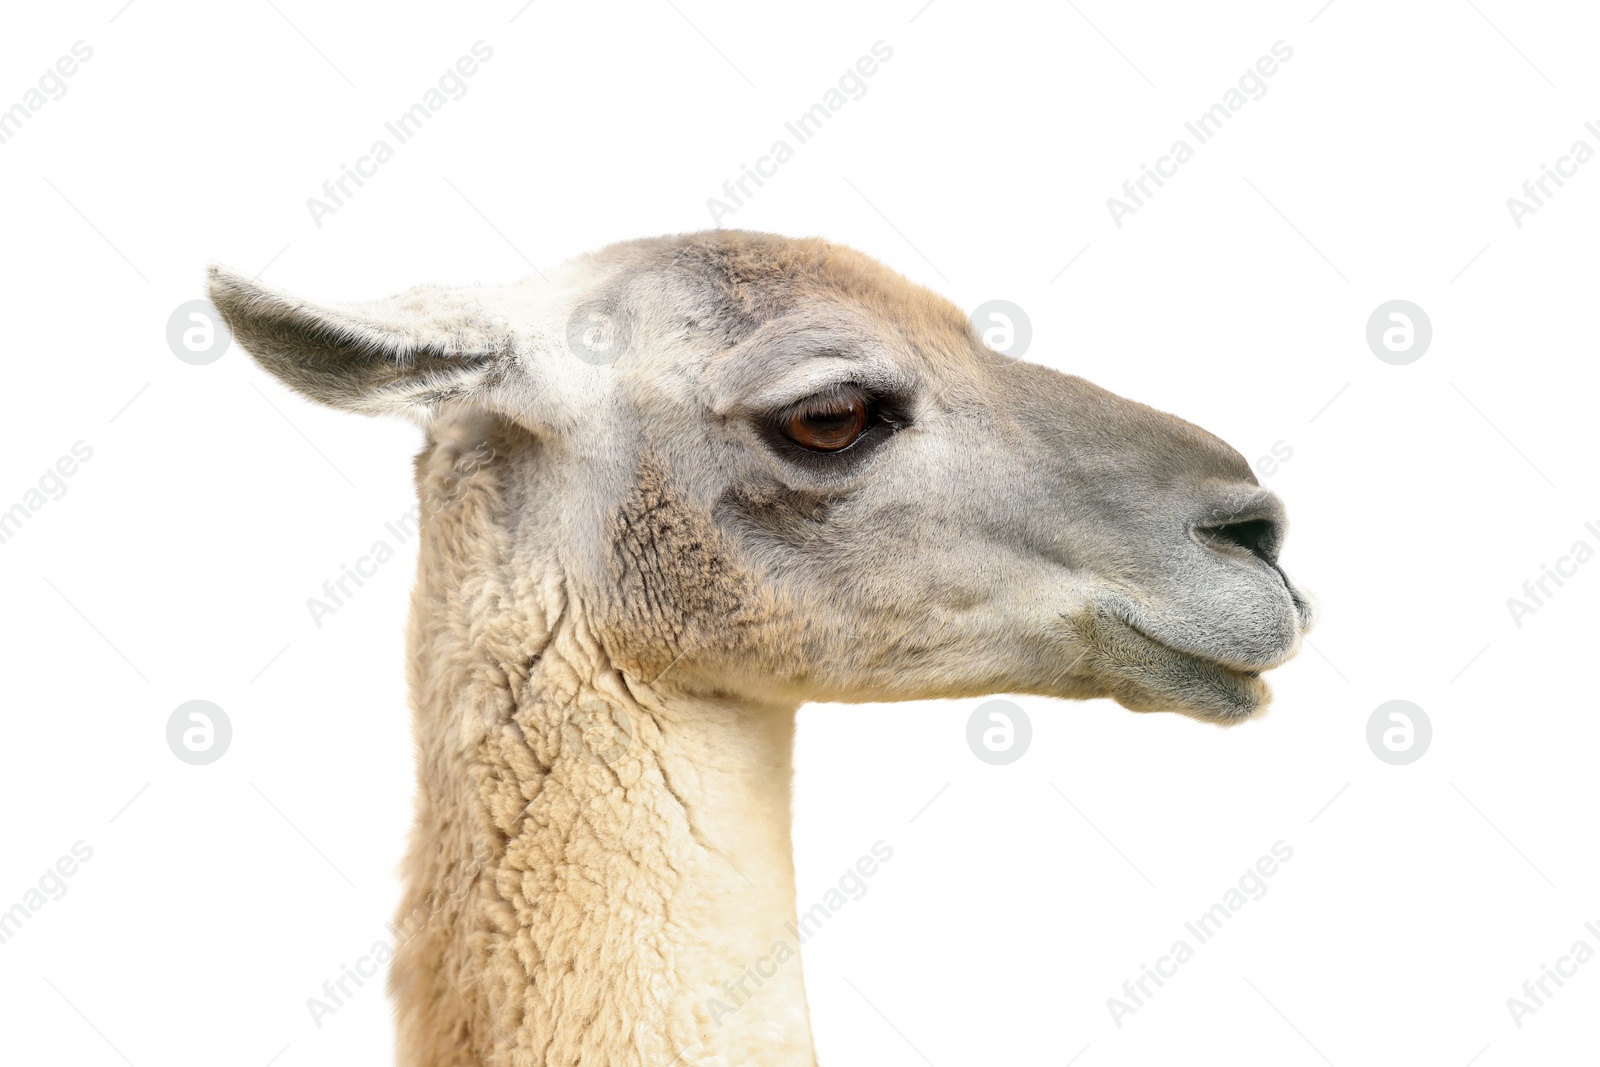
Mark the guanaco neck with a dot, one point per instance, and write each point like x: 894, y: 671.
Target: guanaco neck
x: 636, y: 903
x: 601, y: 871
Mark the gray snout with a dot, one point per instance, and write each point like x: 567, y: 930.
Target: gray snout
x: 1249, y: 524
x: 1224, y: 597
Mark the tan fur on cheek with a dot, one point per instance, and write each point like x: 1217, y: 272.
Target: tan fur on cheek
x: 679, y: 589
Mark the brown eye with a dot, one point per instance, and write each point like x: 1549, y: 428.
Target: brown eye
x: 829, y: 424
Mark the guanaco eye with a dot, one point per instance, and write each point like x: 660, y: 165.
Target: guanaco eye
x: 829, y: 423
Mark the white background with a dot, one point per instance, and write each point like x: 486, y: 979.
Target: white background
x: 1377, y: 166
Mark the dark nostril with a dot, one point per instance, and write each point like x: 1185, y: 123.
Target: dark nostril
x: 1244, y: 519
x: 1259, y: 537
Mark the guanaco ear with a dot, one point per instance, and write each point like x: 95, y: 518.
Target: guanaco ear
x: 409, y: 354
